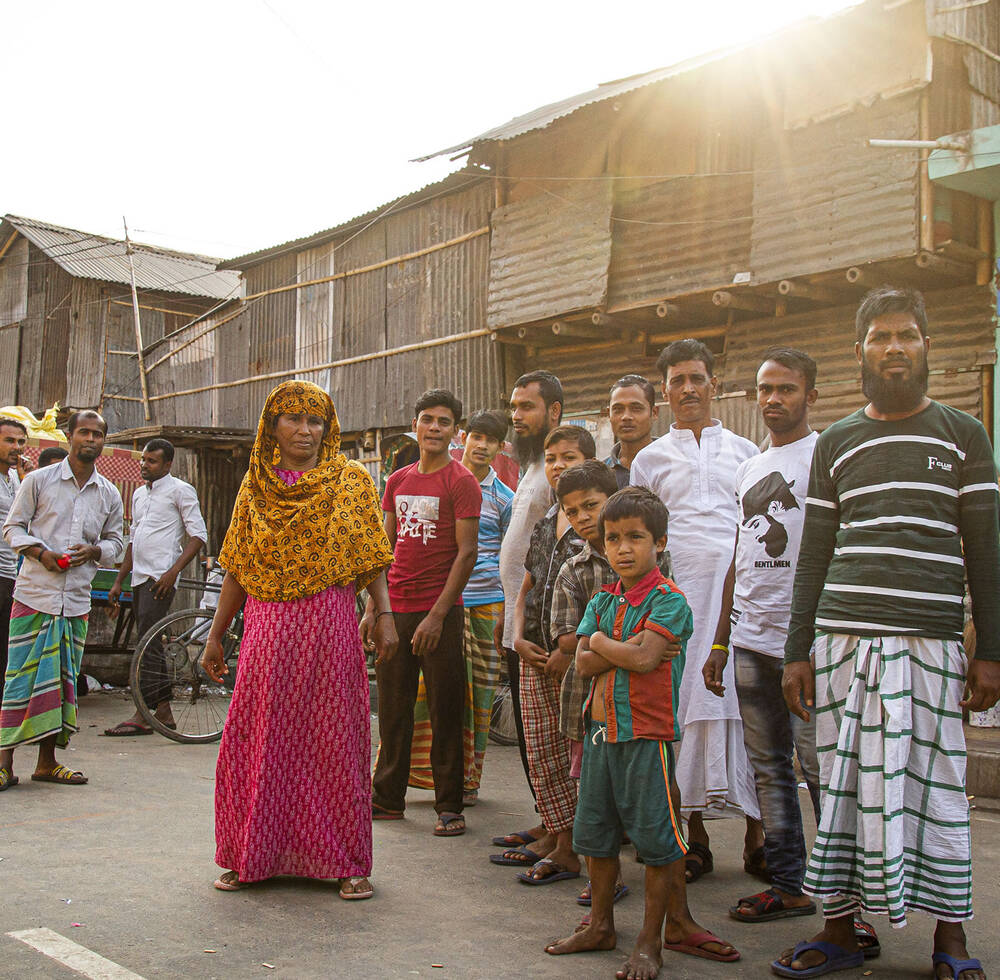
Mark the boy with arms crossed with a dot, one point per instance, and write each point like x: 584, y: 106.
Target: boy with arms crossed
x: 628, y: 758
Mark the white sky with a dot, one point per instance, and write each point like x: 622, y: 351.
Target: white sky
x: 223, y: 126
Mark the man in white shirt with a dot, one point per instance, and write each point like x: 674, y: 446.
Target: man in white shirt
x: 756, y: 606
x: 13, y: 436
x: 163, y: 511
x: 693, y: 470
x: 65, y: 520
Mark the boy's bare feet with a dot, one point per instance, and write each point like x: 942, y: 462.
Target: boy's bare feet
x: 643, y: 964
x: 588, y: 940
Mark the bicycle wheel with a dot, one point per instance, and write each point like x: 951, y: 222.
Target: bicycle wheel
x: 168, y: 657
x: 503, y: 728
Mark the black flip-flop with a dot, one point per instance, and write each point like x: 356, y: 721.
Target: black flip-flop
x: 529, y: 857
x: 767, y: 906
x: 695, y: 867
x: 526, y: 838
x: 128, y: 729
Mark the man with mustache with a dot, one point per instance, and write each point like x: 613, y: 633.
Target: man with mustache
x: 536, y: 405
x: 693, y: 471
x: 902, y: 507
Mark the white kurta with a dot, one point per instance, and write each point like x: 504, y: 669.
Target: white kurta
x: 697, y: 482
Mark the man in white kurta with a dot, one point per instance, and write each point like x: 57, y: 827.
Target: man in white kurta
x: 693, y: 470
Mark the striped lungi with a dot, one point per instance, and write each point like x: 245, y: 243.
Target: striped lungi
x: 44, y: 655
x: 894, y: 828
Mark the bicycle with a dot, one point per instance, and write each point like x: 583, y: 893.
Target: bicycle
x: 199, y: 705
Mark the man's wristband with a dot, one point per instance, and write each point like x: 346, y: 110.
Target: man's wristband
x: 384, y: 612
x: 720, y: 646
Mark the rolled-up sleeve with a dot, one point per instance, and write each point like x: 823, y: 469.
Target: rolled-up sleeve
x: 22, y: 509
x: 112, y: 540
x: 190, y: 511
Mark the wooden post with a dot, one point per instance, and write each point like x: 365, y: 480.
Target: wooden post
x: 138, y: 328
x: 942, y: 266
x: 668, y: 311
x: 810, y: 291
x: 984, y: 239
x: 743, y: 301
x: 926, y: 186
x: 566, y: 330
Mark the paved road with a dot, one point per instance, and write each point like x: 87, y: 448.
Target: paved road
x: 133, y: 854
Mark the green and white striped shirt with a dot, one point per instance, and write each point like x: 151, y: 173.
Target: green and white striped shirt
x: 891, y: 508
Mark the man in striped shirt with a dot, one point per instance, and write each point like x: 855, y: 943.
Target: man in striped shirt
x: 902, y: 506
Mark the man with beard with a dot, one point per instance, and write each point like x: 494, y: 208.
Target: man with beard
x: 536, y: 405
x: 902, y: 507
x: 64, y: 520
x: 693, y: 471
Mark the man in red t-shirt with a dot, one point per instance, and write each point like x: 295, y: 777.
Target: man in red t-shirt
x: 432, y: 520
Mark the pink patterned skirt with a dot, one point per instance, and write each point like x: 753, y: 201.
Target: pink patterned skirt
x: 292, y: 784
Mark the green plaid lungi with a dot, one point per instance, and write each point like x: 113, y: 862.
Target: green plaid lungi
x: 894, y: 829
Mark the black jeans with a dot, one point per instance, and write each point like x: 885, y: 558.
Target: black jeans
x: 154, y: 683
x: 514, y: 682
x: 444, y: 680
x: 6, y: 601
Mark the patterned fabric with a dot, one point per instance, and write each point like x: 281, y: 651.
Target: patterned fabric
x: 292, y: 790
x: 894, y: 833
x: 482, y: 671
x: 484, y: 585
x: 548, y: 750
x: 546, y: 554
x: 39, y: 695
x: 287, y: 542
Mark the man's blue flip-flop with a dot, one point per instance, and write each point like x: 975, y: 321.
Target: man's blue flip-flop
x: 837, y: 958
x: 526, y: 838
x: 526, y: 857
x: 554, y: 872
x: 956, y: 966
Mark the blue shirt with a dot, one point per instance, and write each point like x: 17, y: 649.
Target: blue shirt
x: 484, y: 583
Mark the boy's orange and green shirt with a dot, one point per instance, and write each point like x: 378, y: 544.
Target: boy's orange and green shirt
x: 641, y: 705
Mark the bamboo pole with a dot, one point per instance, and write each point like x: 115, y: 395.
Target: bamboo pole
x: 143, y: 381
x: 343, y: 362
x: 7, y: 244
x: 984, y: 239
x: 156, y: 309
x: 926, y: 187
x: 192, y: 340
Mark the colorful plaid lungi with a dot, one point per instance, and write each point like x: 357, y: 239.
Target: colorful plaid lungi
x: 43, y: 661
x: 482, y: 670
x: 894, y: 829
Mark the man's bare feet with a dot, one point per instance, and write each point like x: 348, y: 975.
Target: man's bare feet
x: 643, y: 964
x: 949, y: 937
x: 591, y: 939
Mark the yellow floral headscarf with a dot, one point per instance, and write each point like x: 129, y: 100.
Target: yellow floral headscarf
x: 288, y: 542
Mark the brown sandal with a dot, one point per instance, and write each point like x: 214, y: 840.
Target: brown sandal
x: 354, y: 895
x: 67, y: 777
x: 229, y: 881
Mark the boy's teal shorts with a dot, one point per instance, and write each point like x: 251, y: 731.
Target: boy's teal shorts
x: 625, y: 789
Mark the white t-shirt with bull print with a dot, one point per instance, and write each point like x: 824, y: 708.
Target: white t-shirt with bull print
x: 771, y: 499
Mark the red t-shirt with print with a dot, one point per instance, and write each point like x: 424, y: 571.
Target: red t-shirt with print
x: 426, y: 506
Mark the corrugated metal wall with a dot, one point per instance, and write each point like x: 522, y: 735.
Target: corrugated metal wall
x: 216, y: 476
x: 823, y: 199
x: 979, y: 24
x: 13, y: 310
x: 549, y: 254
x: 44, y: 333
x: 270, y: 330
x: 314, y: 333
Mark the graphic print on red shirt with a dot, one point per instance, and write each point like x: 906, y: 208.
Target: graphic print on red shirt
x: 426, y: 506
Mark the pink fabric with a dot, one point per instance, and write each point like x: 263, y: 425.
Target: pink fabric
x: 575, y: 758
x: 292, y: 787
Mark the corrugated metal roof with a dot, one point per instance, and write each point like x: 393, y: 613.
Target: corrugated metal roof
x: 87, y: 256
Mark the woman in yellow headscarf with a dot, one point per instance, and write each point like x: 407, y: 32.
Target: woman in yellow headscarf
x: 293, y: 790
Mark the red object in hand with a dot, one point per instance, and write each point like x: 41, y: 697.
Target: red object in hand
x: 63, y: 561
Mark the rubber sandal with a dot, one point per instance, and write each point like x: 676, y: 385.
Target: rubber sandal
x: 956, y: 966
x: 7, y: 779
x: 61, y: 775
x: 354, y: 896
x: 756, y: 866
x: 524, y: 837
x: 697, y: 868
x: 527, y: 857
x: 694, y: 944
x: 380, y: 813
x: 867, y: 937
x: 127, y: 729
x: 766, y: 906
x: 621, y: 890
x: 837, y: 958
x: 444, y: 825
x: 228, y: 881
x: 556, y: 872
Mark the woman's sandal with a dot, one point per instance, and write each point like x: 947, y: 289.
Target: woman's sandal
x: 355, y: 895
x: 7, y: 779
x: 229, y: 881
x: 67, y: 777
x: 699, y: 861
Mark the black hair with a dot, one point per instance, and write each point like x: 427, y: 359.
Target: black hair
x: 636, y: 502
x: 573, y: 433
x: 164, y: 446
x: 549, y: 386
x: 51, y: 455
x: 889, y: 299
x: 685, y: 350
x: 636, y: 381
x: 4, y: 420
x: 85, y: 413
x: 591, y: 474
x: 794, y: 360
x: 489, y: 423
x: 439, y: 397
